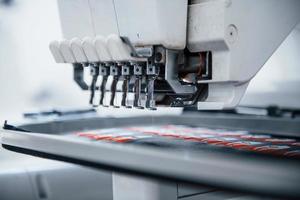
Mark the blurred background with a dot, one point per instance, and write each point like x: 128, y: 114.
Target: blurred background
x: 30, y: 80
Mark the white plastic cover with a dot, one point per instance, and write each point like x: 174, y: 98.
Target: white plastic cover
x: 65, y: 49
x: 101, y: 49
x: 89, y: 50
x: 78, y: 50
x: 57, y: 55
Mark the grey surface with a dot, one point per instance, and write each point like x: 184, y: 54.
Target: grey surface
x: 264, y: 124
x: 250, y: 174
x: 15, y: 185
x: 188, y: 189
x: 71, y: 182
x: 219, y: 195
x: 127, y: 187
x: 24, y: 177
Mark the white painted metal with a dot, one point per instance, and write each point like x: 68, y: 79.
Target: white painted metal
x: 242, y: 36
x: 75, y: 18
x: 103, y: 17
x: 153, y: 22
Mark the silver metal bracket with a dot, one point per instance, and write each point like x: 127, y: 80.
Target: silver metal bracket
x: 171, y: 74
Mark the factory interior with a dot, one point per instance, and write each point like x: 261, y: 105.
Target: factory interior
x: 149, y: 99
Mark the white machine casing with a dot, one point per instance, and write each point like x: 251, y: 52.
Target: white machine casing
x: 241, y: 35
